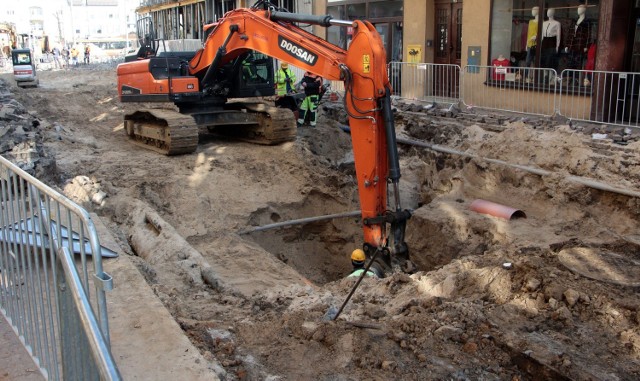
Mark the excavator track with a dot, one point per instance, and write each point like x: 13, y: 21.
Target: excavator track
x: 272, y: 125
x: 277, y: 125
x: 172, y: 133
x: 164, y: 131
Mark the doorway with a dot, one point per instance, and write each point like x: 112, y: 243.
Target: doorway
x: 448, y: 48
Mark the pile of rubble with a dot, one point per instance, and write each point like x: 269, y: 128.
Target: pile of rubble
x: 21, y: 138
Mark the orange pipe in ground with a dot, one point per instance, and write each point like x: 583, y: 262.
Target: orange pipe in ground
x: 496, y: 210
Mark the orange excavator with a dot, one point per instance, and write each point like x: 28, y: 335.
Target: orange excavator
x: 235, y: 63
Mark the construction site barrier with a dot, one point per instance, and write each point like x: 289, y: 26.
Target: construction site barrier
x: 423, y: 82
x: 601, y: 96
x: 47, y: 244
x: 512, y: 89
x: 592, y: 96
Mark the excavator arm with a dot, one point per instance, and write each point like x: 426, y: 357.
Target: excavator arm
x: 367, y: 100
x: 362, y: 67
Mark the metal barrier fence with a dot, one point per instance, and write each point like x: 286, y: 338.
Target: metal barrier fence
x: 599, y: 96
x: 594, y: 96
x: 425, y: 82
x: 45, y: 291
x: 523, y: 90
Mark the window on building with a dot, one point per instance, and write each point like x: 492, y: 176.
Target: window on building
x: 356, y: 11
x: 335, y: 34
x: 385, y: 9
x: 35, y: 11
x: 289, y: 5
x: 385, y: 15
x: 223, y: 7
x: 554, y: 34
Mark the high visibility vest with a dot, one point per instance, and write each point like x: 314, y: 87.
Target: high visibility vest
x: 282, y: 86
x: 358, y: 272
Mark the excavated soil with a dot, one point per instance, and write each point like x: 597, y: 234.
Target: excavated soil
x: 550, y: 296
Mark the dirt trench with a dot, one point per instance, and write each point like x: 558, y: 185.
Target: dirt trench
x: 565, y: 308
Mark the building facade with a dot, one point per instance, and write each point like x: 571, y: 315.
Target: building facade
x: 528, y: 36
x: 177, y: 20
x: 66, y: 21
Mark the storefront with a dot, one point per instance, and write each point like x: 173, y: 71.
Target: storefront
x: 586, y: 35
x: 553, y: 34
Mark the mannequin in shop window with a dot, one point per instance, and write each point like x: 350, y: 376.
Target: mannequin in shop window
x: 578, y: 40
x: 551, y: 35
x: 500, y: 65
x: 532, y: 38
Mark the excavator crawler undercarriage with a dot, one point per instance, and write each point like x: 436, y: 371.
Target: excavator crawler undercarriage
x: 172, y: 133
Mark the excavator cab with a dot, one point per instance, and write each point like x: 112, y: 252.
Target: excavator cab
x: 252, y: 76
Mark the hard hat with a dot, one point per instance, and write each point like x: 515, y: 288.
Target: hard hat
x: 358, y: 255
x: 284, y: 65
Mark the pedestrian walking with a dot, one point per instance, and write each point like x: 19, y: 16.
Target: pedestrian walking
x: 56, y: 57
x: 65, y: 56
x: 87, y: 54
x: 74, y: 55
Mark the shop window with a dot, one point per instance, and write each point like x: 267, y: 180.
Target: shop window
x: 337, y: 35
x: 356, y: 11
x: 555, y: 34
x: 382, y: 9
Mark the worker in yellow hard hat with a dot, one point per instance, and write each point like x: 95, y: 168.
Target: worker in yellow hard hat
x: 357, y: 261
x: 285, y: 80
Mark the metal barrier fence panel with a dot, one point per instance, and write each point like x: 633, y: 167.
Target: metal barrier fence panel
x: 44, y: 294
x: 594, y: 96
x: 599, y: 96
x: 423, y: 82
x: 512, y: 89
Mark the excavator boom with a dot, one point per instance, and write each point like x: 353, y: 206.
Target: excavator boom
x: 367, y: 98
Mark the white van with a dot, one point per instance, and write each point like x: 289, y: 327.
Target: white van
x: 24, y: 69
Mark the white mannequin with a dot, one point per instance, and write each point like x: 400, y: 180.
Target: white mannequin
x: 581, y: 11
x: 551, y: 27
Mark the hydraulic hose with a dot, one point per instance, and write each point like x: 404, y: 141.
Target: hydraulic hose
x: 392, y: 146
x: 222, y: 51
